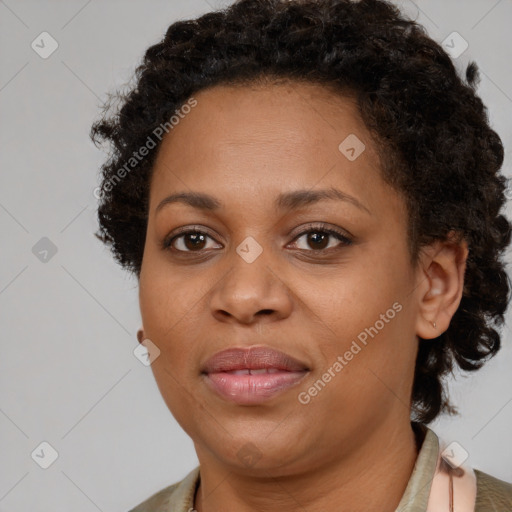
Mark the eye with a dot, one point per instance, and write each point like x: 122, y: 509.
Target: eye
x: 195, y: 240
x: 189, y: 240
x: 317, y: 237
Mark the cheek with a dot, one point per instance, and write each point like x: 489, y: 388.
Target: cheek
x: 367, y: 323
x: 165, y: 322
x: 186, y: 407
x: 350, y: 302
x: 166, y: 297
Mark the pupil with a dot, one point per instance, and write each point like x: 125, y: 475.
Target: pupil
x: 195, y: 237
x: 314, y: 238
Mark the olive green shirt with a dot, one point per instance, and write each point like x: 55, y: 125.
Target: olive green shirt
x: 493, y: 495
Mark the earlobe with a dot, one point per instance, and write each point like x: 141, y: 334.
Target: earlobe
x: 140, y: 335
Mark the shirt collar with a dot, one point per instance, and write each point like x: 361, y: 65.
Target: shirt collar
x: 414, y: 499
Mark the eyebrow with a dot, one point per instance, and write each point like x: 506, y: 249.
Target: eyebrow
x: 286, y: 201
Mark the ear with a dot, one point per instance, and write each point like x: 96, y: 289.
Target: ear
x: 140, y: 335
x: 441, y: 277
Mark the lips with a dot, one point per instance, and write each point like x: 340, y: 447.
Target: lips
x: 251, y: 376
x: 250, y: 360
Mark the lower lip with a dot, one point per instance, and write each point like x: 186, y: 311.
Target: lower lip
x: 252, y: 389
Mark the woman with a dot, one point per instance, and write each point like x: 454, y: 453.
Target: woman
x: 310, y: 196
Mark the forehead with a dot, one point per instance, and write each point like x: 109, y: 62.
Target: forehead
x: 268, y: 137
x: 299, y: 113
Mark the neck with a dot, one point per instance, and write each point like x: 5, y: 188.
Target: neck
x: 374, y: 477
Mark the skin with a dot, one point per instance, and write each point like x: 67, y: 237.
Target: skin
x: 351, y: 448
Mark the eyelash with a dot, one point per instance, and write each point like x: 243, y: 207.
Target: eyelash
x: 317, y: 228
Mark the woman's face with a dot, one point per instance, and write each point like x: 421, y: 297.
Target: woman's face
x: 265, y: 273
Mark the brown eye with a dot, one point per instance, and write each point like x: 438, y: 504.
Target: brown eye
x: 188, y: 241
x: 318, y: 239
x: 194, y: 241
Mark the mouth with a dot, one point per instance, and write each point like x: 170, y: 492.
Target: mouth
x: 249, y: 376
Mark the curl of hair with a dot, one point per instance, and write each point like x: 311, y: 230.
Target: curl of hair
x: 430, y: 128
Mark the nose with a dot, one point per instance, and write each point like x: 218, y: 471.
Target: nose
x: 251, y: 291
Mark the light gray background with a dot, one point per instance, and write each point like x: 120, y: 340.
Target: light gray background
x: 67, y: 371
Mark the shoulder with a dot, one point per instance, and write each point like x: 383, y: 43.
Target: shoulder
x: 492, y: 493
x: 157, y: 501
x: 177, y: 497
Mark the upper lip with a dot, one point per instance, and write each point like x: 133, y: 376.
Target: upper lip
x: 252, y: 358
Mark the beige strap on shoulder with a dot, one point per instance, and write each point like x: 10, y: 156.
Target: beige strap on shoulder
x: 453, y: 487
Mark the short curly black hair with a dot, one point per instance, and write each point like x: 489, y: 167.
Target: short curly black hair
x: 430, y: 128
